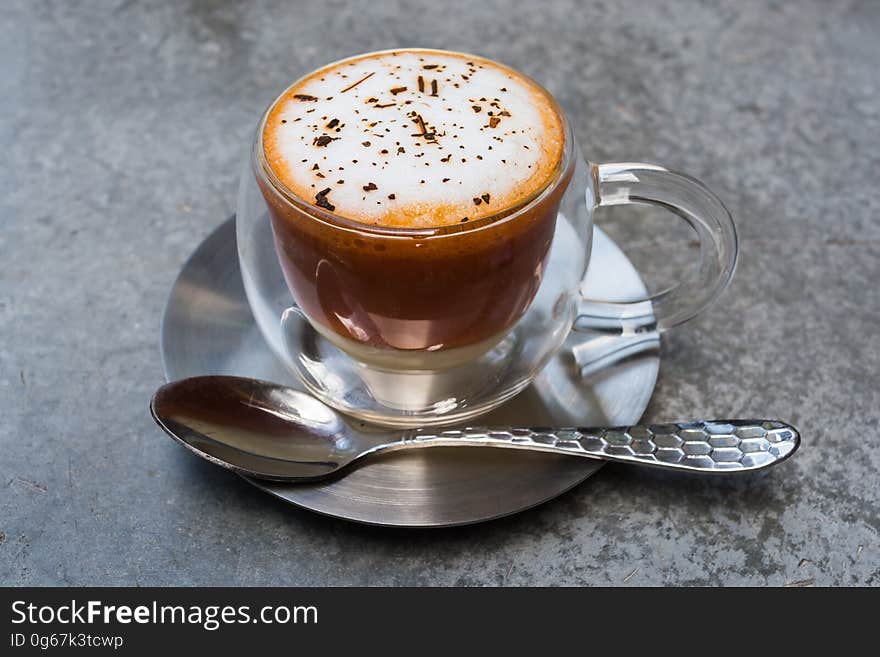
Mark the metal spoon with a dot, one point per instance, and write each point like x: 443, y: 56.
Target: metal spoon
x: 270, y: 431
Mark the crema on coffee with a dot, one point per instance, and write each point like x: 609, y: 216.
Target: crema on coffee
x: 414, y: 138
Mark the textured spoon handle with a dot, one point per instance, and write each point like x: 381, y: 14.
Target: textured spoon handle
x: 721, y: 446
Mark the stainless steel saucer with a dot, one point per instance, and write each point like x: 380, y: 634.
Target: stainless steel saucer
x: 207, y: 328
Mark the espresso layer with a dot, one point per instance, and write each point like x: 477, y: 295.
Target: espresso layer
x: 414, y: 138
x: 433, y: 293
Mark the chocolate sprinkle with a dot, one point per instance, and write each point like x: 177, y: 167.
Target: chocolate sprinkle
x: 321, y: 200
x: 494, y: 121
x: 333, y: 124
x: 397, y: 90
x: 370, y: 187
x: 323, y: 140
x: 352, y: 86
x: 477, y: 200
x: 392, y: 196
x: 304, y: 97
x: 485, y: 198
x: 429, y: 136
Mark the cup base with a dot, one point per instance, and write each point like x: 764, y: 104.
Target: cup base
x: 445, y: 394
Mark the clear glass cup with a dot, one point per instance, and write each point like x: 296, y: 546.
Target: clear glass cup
x: 416, y: 327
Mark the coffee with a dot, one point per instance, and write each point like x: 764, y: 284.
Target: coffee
x: 413, y: 196
x: 414, y: 138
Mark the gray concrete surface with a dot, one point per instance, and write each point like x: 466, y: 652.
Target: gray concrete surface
x: 121, y: 127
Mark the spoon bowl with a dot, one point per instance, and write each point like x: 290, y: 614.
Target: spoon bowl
x: 256, y: 428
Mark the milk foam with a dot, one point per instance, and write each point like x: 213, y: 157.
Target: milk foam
x: 414, y: 138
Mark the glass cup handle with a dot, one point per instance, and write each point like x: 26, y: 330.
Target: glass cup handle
x: 625, y: 183
x: 621, y: 330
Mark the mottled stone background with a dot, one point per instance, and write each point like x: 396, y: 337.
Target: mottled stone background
x: 121, y: 127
